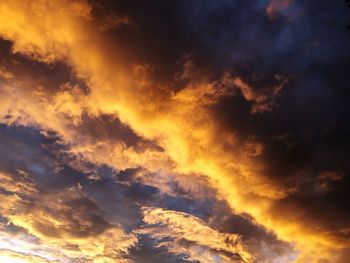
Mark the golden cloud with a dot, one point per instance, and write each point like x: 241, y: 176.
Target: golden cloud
x: 205, y: 243
x: 180, y: 122
x: 57, y: 225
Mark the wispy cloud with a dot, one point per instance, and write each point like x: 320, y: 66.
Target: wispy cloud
x: 183, y: 233
x: 168, y: 131
x: 62, y: 225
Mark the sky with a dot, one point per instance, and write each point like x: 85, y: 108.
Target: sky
x: 187, y: 131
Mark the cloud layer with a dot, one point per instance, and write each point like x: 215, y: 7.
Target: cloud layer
x: 152, y: 129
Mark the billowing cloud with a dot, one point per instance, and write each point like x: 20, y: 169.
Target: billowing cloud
x: 233, y: 131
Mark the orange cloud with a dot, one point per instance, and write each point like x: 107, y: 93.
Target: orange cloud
x: 181, y: 123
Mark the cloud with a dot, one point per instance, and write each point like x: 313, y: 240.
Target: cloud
x: 57, y: 225
x: 275, y: 6
x: 261, y: 101
x: 8, y: 256
x: 186, y: 137
x: 182, y: 233
x: 42, y: 42
x: 5, y: 74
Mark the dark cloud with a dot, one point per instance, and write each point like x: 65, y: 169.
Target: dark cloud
x: 286, y: 66
x: 148, y: 252
x: 95, y: 205
x: 29, y: 73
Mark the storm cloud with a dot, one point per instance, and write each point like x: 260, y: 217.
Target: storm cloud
x: 182, y: 131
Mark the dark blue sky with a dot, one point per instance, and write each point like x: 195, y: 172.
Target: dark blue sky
x: 175, y: 131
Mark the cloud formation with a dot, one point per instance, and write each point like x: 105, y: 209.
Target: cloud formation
x: 185, y: 234
x: 159, y: 112
x: 62, y: 225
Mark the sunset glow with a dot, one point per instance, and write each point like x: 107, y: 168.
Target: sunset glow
x: 181, y: 131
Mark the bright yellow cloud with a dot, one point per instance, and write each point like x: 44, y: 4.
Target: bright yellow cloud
x: 180, y: 122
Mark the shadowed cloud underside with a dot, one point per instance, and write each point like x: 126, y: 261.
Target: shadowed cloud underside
x: 184, y: 131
